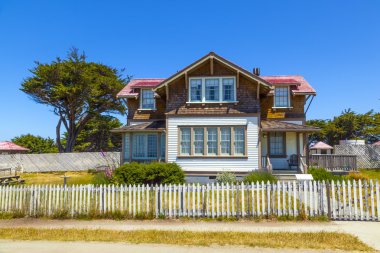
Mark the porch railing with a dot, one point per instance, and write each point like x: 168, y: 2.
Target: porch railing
x: 334, y: 162
x: 266, y: 164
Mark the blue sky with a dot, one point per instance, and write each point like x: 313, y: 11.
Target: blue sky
x: 334, y: 44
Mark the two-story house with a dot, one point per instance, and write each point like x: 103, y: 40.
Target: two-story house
x: 215, y: 116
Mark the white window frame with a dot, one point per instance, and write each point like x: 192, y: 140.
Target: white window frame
x: 203, y: 93
x: 274, y: 97
x: 141, y: 100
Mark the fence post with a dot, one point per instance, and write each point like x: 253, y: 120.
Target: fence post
x: 228, y: 200
x: 378, y: 200
x: 328, y: 200
x: 373, y: 215
x: 237, y: 201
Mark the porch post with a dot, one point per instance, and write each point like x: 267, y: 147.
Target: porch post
x: 298, y: 149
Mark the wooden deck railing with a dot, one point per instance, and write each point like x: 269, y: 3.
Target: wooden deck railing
x: 334, y: 162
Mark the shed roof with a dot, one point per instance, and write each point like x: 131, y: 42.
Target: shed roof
x: 281, y: 126
x: 321, y: 145
x: 10, y: 146
x: 158, y: 125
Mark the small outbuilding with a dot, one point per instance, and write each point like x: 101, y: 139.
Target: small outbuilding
x: 377, y: 143
x: 321, y: 148
x: 7, y: 147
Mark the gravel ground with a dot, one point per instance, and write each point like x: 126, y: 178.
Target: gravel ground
x: 100, y: 247
x: 368, y: 232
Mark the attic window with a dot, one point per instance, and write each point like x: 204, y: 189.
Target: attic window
x: 147, y: 100
x: 281, y: 97
x: 212, y: 89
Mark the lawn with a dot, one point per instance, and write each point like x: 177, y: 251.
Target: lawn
x: 82, y: 177
x: 373, y: 174
x: 305, y: 240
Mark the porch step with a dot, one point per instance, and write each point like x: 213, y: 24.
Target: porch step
x: 285, y: 175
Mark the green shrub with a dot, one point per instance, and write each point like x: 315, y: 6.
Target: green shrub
x: 226, y: 177
x: 101, y: 178
x: 259, y: 176
x: 152, y: 173
x: 320, y: 174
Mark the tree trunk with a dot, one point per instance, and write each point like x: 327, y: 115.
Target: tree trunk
x: 58, y: 136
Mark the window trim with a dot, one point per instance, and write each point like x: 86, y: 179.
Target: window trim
x: 141, y: 101
x: 284, y: 155
x: 205, y: 144
x: 274, y: 98
x: 220, y: 93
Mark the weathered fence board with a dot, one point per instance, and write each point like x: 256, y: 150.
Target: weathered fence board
x: 368, y: 156
x: 60, y: 161
x: 347, y: 200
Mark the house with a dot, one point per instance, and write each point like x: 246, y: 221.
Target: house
x: 215, y: 116
x: 7, y: 147
x: 321, y: 148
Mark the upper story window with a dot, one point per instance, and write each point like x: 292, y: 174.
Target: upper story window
x: 147, y: 99
x: 212, y: 89
x: 281, y: 97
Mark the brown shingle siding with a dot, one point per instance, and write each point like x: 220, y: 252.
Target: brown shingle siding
x: 136, y: 114
x: 297, y: 102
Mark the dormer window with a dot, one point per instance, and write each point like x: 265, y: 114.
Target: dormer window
x: 212, y: 89
x: 147, y: 100
x: 281, y: 97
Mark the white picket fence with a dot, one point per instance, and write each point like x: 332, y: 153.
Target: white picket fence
x: 351, y: 200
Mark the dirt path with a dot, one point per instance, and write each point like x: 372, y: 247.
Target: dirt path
x: 368, y: 232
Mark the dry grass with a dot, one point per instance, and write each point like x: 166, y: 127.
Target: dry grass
x: 82, y: 177
x: 320, y: 240
x: 373, y: 174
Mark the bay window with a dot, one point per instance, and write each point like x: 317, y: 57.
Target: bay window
x: 212, y: 89
x: 144, y: 146
x: 281, y: 97
x: 212, y: 141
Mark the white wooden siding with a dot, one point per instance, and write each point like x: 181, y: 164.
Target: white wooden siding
x: 215, y: 164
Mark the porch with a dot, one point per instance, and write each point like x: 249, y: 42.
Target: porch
x: 284, y: 146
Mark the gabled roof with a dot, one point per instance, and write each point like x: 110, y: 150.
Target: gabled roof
x: 321, y: 145
x: 127, y: 91
x: 213, y: 55
x: 298, y: 84
x: 10, y: 146
x: 281, y: 126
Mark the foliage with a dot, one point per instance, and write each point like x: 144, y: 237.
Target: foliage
x: 371, y: 173
x: 259, y: 176
x: 348, y: 125
x: 77, y: 90
x: 320, y: 174
x: 81, y: 177
x: 226, y: 177
x: 36, y: 144
x: 96, y: 135
x: 357, y: 176
x: 152, y: 173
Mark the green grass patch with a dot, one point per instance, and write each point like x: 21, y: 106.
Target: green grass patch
x: 312, y: 240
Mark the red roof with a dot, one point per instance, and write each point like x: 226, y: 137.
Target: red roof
x: 300, y: 84
x: 377, y: 143
x: 10, y: 146
x: 321, y: 145
x: 139, y: 83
